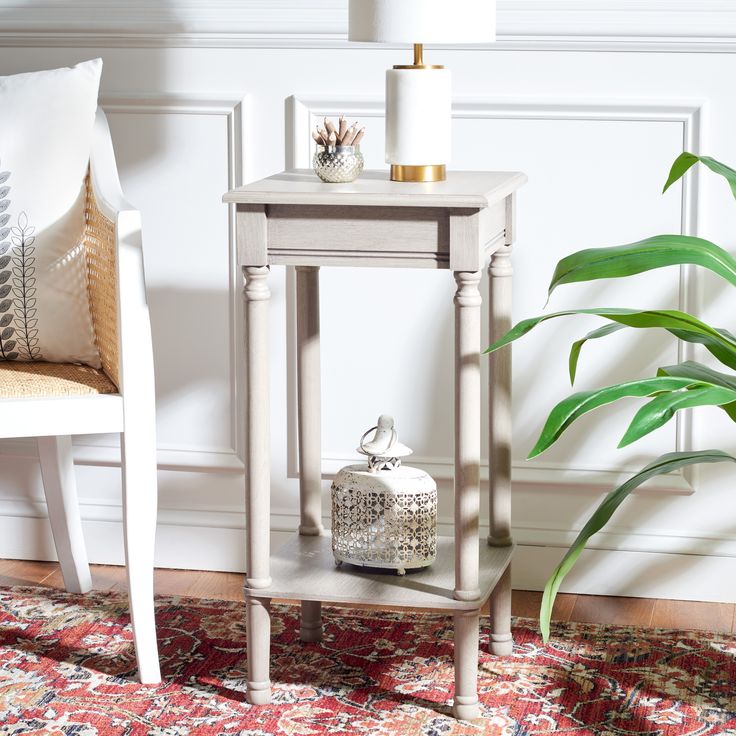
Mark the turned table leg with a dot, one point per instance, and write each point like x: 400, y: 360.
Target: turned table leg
x: 310, y: 427
x: 258, y: 481
x: 467, y: 488
x: 502, y: 641
x: 258, y: 626
x: 500, y: 275
x: 467, y: 433
x: 467, y: 632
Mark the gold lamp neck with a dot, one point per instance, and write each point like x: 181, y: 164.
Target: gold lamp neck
x: 418, y: 54
x: 418, y: 60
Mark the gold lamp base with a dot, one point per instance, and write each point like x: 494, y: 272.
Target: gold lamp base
x: 429, y: 173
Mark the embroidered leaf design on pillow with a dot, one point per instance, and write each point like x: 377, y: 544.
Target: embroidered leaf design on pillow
x: 24, y: 289
x: 7, y: 331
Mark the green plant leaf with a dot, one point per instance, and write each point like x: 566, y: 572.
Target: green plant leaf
x: 685, y: 161
x: 661, y: 409
x: 714, y: 346
x: 700, y: 372
x: 662, y: 465
x: 659, y: 251
x: 682, y: 164
x: 574, y: 406
x: 682, y: 325
x: 577, y: 346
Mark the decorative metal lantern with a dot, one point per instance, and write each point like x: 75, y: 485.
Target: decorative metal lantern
x: 384, y: 514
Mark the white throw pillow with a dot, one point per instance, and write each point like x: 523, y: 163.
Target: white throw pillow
x: 46, y: 122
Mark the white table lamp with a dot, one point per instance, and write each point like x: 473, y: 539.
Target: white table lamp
x: 418, y: 95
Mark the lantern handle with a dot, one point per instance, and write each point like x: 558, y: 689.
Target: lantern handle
x: 394, y: 437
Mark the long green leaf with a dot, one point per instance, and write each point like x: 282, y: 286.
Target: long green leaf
x: 661, y: 409
x: 718, y: 348
x: 700, y: 372
x: 662, y: 465
x: 726, y: 334
x: 574, y: 406
x: 685, y: 161
x: 577, y: 346
x: 682, y: 164
x: 645, y: 255
x: 680, y: 324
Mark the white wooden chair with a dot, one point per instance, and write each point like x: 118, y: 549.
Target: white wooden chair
x: 55, y: 401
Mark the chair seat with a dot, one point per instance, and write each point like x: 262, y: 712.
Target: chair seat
x: 48, y: 380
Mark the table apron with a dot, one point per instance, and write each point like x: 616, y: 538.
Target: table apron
x: 417, y: 237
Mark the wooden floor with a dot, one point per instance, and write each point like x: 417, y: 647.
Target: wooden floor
x: 228, y: 586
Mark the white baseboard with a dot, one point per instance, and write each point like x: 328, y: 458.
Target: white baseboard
x: 633, y: 574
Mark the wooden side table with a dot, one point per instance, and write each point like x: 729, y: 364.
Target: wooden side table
x: 294, y: 219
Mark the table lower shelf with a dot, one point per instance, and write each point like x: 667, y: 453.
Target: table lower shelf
x: 304, y: 569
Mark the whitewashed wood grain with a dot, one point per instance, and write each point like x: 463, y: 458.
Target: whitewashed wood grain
x: 475, y: 189
x: 304, y: 569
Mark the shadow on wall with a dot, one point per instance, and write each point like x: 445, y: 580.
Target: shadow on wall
x: 181, y: 321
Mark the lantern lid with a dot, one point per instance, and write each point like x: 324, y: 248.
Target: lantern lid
x: 385, y: 442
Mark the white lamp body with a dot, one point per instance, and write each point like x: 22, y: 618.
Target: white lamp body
x: 418, y: 117
x: 418, y: 97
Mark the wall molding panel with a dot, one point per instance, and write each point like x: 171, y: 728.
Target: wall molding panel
x: 304, y: 113
x: 236, y: 111
x: 651, y: 25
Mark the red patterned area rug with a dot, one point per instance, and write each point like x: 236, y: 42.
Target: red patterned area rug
x: 67, y: 667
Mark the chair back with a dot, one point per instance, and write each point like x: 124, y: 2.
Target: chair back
x: 100, y: 245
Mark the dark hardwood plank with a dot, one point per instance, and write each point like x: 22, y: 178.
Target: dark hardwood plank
x: 602, y: 609
x: 178, y: 582
x: 229, y: 586
x: 104, y: 577
x: 525, y: 603
x: 25, y: 572
x: 693, y: 615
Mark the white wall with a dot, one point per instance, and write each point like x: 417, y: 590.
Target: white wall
x: 592, y: 100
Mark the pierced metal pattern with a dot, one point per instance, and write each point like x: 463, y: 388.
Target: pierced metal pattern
x: 384, y: 519
x: 377, y: 462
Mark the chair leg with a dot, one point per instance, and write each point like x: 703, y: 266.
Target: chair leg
x: 60, y: 488
x: 140, y: 492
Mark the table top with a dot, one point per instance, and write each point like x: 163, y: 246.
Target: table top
x: 462, y: 189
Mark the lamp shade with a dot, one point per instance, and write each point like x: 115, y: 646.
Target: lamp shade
x: 423, y: 21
